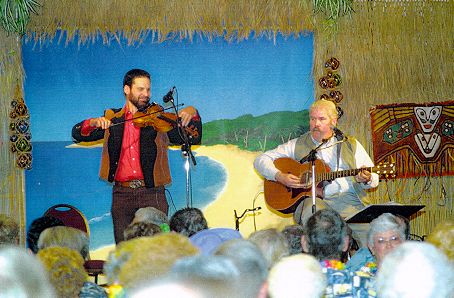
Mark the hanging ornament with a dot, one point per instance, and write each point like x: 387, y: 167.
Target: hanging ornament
x: 19, y: 129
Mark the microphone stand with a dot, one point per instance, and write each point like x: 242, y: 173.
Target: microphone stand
x: 311, y: 157
x: 185, y: 148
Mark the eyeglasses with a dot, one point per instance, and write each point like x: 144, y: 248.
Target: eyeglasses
x: 393, y: 240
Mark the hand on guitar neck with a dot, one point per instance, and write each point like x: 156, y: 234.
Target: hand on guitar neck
x: 364, y: 176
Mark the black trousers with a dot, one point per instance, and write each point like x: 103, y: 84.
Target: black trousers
x: 126, y: 201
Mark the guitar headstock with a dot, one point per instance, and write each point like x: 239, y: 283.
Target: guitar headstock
x: 386, y: 170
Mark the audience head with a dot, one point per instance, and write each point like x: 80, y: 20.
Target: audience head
x: 36, y: 227
x: 140, y: 229
x: 293, y: 235
x: 406, y: 223
x: 146, y: 258
x: 210, y: 239
x: 386, y: 232
x: 442, y: 237
x: 415, y: 269
x: 299, y: 275
x: 65, y: 268
x: 172, y: 287
x: 272, y: 243
x: 188, y: 221
x: 9, y: 230
x: 215, y: 275
x: 151, y: 215
x: 66, y: 237
x: 22, y: 275
x: 325, y: 235
x: 251, y: 263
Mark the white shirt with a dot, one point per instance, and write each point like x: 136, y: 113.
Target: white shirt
x: 264, y: 164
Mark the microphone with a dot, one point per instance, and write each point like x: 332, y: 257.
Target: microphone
x: 169, y: 96
x: 338, y: 134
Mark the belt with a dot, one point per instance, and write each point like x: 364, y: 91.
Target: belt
x: 131, y: 184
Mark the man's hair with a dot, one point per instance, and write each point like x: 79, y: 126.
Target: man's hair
x: 327, y: 105
x: 140, y: 229
x: 37, y: 226
x: 272, y: 243
x: 325, y: 234
x: 151, y: 215
x: 65, y: 237
x: 188, y: 221
x: 293, y: 235
x: 9, y: 230
x: 384, y: 223
x: 251, y: 263
x: 415, y: 269
x: 132, y: 74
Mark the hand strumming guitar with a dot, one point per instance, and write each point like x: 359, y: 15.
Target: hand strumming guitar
x: 288, y: 180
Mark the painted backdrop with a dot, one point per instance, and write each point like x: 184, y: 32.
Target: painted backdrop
x: 240, y: 89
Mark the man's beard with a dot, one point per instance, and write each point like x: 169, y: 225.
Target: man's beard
x: 139, y: 104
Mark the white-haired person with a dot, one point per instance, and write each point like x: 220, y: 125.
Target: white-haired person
x: 415, y: 269
x: 296, y: 276
x: 386, y: 232
x: 22, y: 274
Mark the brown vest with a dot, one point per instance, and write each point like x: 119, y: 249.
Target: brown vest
x: 161, y: 172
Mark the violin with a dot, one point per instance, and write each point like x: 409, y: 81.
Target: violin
x: 161, y: 121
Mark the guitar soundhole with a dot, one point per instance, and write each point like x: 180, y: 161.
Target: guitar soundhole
x: 306, y: 179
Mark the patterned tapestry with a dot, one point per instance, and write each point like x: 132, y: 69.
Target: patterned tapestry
x: 418, y: 138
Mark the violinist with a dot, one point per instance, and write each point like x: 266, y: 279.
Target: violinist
x: 134, y: 157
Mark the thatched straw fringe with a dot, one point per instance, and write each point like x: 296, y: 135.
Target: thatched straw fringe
x: 12, y: 197
x: 395, y: 52
x: 172, y: 18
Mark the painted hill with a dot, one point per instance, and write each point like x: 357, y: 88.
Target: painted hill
x: 256, y: 133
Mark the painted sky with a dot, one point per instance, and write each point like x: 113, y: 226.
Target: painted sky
x: 68, y: 83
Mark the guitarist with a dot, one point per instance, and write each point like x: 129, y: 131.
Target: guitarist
x: 345, y: 195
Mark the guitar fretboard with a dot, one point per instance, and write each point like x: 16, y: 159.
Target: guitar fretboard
x: 338, y: 174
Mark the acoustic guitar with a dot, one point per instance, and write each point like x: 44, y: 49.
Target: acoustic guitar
x: 285, y: 199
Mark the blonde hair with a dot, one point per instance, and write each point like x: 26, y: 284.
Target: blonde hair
x: 326, y: 105
x: 65, y: 237
x: 146, y: 258
x: 66, y: 270
x: 442, y: 237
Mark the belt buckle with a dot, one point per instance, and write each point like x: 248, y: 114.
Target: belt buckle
x: 135, y: 184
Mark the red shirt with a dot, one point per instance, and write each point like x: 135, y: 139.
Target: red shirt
x: 129, y: 167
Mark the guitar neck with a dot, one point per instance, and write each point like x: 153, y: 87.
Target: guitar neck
x: 328, y: 176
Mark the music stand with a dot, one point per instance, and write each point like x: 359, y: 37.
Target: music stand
x: 369, y: 213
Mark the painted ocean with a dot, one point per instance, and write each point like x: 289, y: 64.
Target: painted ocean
x: 62, y: 175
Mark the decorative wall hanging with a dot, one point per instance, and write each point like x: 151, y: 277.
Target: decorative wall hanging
x: 419, y: 138
x: 330, y: 82
x: 20, y: 136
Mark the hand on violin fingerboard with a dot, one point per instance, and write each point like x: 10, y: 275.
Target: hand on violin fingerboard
x: 186, y: 115
x: 101, y: 122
